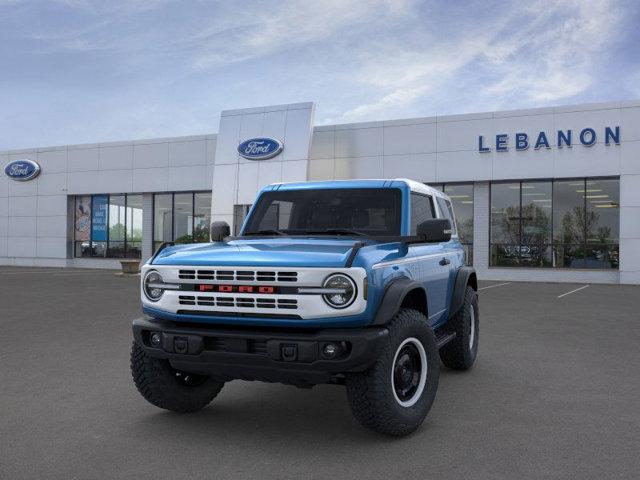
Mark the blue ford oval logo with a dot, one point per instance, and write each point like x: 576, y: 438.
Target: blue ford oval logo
x: 260, y: 148
x: 22, y: 170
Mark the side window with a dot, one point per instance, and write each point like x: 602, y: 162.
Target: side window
x: 447, y: 211
x: 421, y: 210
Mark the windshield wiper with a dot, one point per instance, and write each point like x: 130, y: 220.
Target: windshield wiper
x: 266, y: 232
x: 336, y: 231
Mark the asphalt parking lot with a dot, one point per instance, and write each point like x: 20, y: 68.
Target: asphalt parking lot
x: 554, y: 394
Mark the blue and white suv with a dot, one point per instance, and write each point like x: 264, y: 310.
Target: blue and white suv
x: 359, y: 283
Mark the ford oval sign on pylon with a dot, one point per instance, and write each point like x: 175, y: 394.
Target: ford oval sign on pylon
x: 260, y: 148
x: 22, y: 170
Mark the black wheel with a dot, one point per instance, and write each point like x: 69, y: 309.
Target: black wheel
x: 461, y: 352
x: 165, y: 387
x: 394, y: 396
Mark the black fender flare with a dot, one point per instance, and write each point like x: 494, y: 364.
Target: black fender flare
x: 393, y: 297
x: 465, y: 276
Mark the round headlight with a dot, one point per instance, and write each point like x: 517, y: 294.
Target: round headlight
x: 343, y: 291
x: 150, y: 286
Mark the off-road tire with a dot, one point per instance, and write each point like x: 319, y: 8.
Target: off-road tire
x: 458, y: 354
x: 371, y: 393
x: 157, y: 382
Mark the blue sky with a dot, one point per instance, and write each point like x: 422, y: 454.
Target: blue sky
x: 76, y: 71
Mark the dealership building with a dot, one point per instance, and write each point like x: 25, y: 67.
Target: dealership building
x: 547, y: 194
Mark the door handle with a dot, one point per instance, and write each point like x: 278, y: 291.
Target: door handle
x: 445, y: 261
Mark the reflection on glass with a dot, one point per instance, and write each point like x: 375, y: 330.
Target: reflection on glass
x: 183, y: 218
x: 162, y: 219
x: 240, y: 212
x: 535, y: 215
x: 603, y: 211
x: 134, y: 226
x: 568, y: 212
x: 505, y: 224
x: 462, y: 201
x: 117, y: 219
x: 505, y: 213
x: 564, y: 224
x: 201, y: 217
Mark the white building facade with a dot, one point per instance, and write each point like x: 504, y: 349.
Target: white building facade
x: 549, y: 194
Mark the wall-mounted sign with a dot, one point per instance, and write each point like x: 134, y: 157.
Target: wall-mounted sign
x: 22, y: 170
x: 260, y: 148
x: 99, y: 218
x: 564, y: 138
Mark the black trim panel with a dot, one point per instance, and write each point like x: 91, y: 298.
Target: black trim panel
x: 394, y: 294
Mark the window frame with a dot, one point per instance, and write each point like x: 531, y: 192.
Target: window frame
x: 468, y: 245
x: 431, y: 202
x: 448, y: 214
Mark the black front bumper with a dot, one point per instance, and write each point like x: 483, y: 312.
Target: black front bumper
x: 286, y: 356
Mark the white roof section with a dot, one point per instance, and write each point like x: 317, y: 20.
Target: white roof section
x: 420, y: 187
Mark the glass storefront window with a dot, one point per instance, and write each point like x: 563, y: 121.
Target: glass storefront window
x: 82, y: 226
x: 505, y: 224
x: 568, y: 223
x: 562, y: 224
x: 201, y: 217
x: 603, y: 223
x: 134, y: 226
x: 535, y: 241
x: 162, y: 219
x: 108, y: 226
x: 117, y: 220
x: 182, y: 217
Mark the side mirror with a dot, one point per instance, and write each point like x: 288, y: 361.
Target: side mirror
x: 219, y: 230
x: 435, y: 230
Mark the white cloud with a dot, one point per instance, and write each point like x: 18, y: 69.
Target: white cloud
x: 554, y: 63
x: 126, y: 68
x: 542, y: 52
x: 260, y: 32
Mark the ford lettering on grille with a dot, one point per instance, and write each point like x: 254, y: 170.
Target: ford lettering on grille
x: 236, y: 288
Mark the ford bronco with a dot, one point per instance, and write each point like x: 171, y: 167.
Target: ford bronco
x: 359, y: 283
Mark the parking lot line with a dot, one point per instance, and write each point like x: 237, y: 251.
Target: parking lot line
x: 494, y: 285
x: 573, y: 291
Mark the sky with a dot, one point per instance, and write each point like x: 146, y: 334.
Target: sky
x: 78, y: 71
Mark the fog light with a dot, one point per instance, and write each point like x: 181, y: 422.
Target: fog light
x: 330, y: 350
x: 155, y: 339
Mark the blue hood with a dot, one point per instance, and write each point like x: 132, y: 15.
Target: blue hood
x: 276, y: 252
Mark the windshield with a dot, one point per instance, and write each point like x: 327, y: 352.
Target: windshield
x: 336, y: 211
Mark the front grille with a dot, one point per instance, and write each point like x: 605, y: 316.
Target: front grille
x: 239, y: 302
x: 238, y: 275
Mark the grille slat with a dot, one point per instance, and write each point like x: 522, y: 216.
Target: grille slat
x: 239, y: 302
x: 238, y: 275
